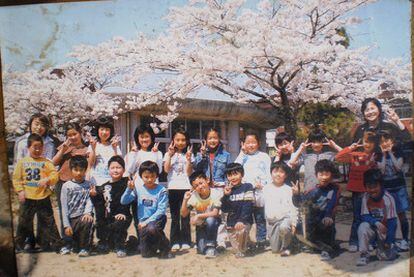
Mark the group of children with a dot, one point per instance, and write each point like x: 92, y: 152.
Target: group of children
x: 97, y: 189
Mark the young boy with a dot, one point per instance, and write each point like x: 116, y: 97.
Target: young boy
x: 206, y: 203
x: 152, y: 201
x: 32, y: 178
x: 116, y: 218
x: 281, y: 214
x: 238, y: 202
x: 321, y: 202
x: 77, y: 209
x: 316, y: 140
x: 379, y: 219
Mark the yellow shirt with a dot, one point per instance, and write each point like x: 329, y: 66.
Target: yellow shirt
x: 27, y: 174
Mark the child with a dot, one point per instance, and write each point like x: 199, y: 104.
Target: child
x: 206, y: 203
x: 77, y: 209
x: 379, y: 219
x: 152, y: 200
x: 38, y: 124
x: 212, y: 160
x: 321, y: 202
x: 281, y: 214
x: 390, y: 164
x: 146, y: 150
x: 238, y: 202
x: 101, y: 150
x: 178, y: 164
x: 256, y: 165
x: 113, y: 229
x: 284, y: 151
x: 72, y: 146
x: 360, y: 162
x: 317, y: 140
x: 32, y: 178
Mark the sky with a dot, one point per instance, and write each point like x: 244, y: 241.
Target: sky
x: 36, y: 36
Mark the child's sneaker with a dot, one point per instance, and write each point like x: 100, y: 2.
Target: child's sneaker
x: 175, y: 247
x: 83, y: 253
x: 211, y: 253
x: 239, y: 255
x: 352, y: 248
x: 121, y: 253
x: 185, y: 246
x: 403, y: 245
x: 166, y: 256
x: 363, y: 260
x: 325, y: 256
x: 285, y: 253
x: 64, y: 250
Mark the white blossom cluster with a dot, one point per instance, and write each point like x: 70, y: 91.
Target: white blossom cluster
x: 286, y: 52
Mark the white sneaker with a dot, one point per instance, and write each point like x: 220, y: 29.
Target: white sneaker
x: 211, y: 253
x: 175, y: 247
x: 325, y: 256
x: 64, y: 250
x: 83, y: 253
x: 404, y: 245
x: 363, y: 260
x: 285, y: 253
x: 352, y: 248
x: 121, y: 253
x: 185, y: 246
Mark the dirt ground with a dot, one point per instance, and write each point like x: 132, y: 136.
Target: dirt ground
x: 192, y: 264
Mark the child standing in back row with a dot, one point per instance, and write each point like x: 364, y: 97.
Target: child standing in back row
x: 256, y: 165
x: 178, y: 164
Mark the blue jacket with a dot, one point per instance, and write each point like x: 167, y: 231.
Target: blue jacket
x: 221, y: 160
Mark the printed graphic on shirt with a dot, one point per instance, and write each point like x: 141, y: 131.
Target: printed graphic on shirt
x: 323, y: 201
x: 244, y: 196
x: 32, y: 173
x: 381, y: 210
x: 107, y: 198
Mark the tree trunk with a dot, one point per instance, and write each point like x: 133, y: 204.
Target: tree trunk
x: 289, y: 118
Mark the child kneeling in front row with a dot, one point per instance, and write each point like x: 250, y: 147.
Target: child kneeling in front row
x: 77, y: 209
x: 206, y: 203
x: 238, y: 202
x: 321, y: 203
x: 379, y: 219
x: 281, y: 214
x: 116, y: 218
x: 152, y: 201
x: 32, y: 178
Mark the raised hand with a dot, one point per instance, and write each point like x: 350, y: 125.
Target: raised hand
x: 203, y: 148
x: 278, y: 155
x: 295, y: 187
x: 131, y: 184
x: 243, y: 147
x: 187, y: 195
x: 155, y: 148
x: 356, y: 145
x: 171, y: 149
x: 92, y: 190
x: 66, y: 145
x: 227, y: 190
x: 92, y: 141
x: 115, y: 141
x: 291, y: 148
x: 259, y: 185
x: 392, y: 115
x: 189, y: 153
x: 303, y: 145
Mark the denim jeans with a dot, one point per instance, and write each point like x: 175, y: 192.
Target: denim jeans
x: 206, y: 234
x: 356, y: 208
x: 260, y: 220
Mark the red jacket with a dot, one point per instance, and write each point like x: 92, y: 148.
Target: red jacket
x: 360, y: 162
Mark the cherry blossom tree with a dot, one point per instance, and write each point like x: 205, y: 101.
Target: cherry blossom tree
x: 285, y: 53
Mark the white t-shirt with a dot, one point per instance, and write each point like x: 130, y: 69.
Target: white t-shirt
x: 278, y: 203
x: 177, y: 177
x: 256, y: 167
x: 134, y: 159
x: 99, y: 172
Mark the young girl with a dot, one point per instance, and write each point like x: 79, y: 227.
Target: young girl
x: 256, y: 166
x: 178, y: 164
x: 38, y: 124
x: 284, y: 150
x: 72, y: 146
x: 360, y: 161
x: 147, y: 150
x: 390, y: 163
x: 212, y: 160
x: 101, y: 150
